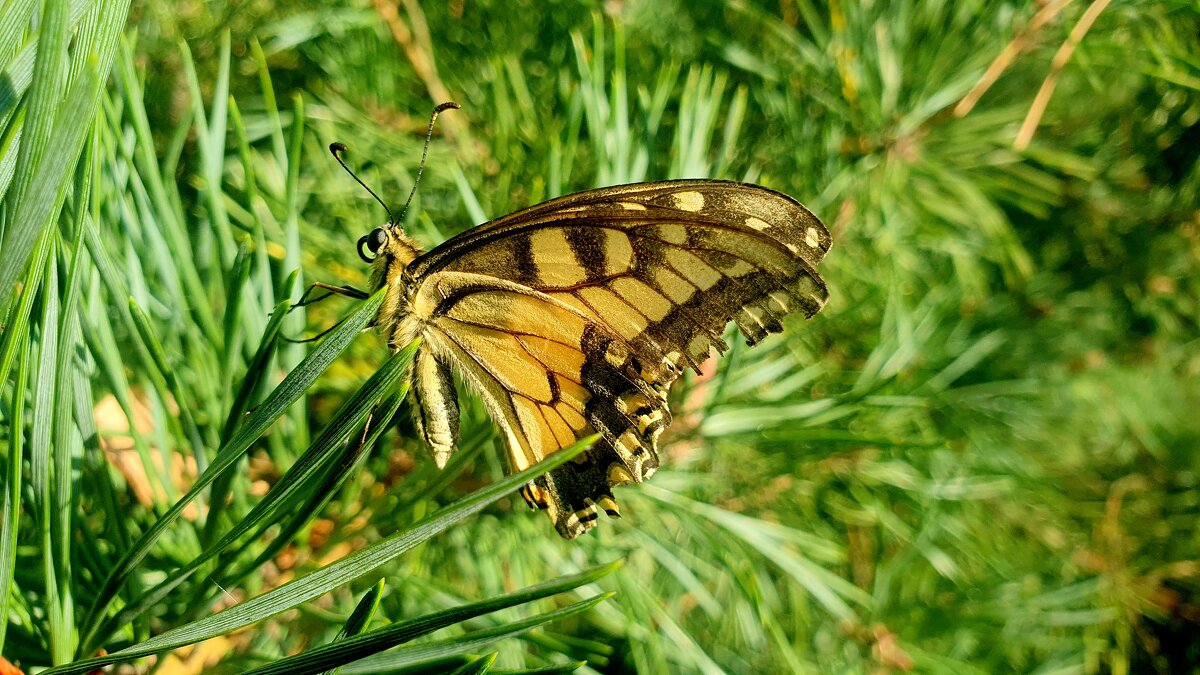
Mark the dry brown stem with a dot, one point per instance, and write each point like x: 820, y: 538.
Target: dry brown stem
x: 414, y: 38
x: 1042, y: 99
x: 1021, y: 42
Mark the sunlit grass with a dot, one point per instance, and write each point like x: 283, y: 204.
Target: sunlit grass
x: 978, y: 458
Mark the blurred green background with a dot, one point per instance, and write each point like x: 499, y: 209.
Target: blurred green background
x: 980, y: 457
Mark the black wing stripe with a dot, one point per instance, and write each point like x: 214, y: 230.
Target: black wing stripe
x: 588, y: 245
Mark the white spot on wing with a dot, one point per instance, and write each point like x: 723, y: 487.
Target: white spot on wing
x: 688, y: 201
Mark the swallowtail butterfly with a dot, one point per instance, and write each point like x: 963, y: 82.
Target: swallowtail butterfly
x: 574, y: 317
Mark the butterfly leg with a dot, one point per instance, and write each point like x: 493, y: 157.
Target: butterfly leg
x: 347, y: 291
x: 318, y: 336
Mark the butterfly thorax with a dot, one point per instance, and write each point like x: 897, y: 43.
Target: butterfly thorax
x: 391, y: 263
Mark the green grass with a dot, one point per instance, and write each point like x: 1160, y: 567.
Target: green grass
x: 979, y: 457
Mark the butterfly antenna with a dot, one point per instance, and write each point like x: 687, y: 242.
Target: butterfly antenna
x: 336, y: 149
x: 442, y: 107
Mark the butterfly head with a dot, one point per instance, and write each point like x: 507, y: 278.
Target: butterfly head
x: 373, y: 240
x: 390, y: 242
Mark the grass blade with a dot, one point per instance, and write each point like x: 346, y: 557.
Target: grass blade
x: 327, y: 578
x: 469, y: 643
x: 283, y: 396
x: 352, y: 415
x: 375, y: 641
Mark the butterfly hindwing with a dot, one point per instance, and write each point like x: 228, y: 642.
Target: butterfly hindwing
x: 549, y: 375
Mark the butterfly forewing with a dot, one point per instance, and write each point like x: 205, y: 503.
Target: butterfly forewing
x: 664, y: 265
x: 753, y: 206
x: 575, y: 316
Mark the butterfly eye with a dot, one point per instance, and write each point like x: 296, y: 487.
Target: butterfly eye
x: 374, y: 240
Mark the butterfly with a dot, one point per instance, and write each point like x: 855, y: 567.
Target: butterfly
x: 575, y: 316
